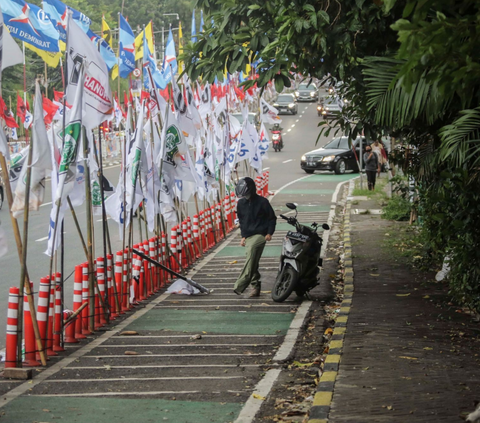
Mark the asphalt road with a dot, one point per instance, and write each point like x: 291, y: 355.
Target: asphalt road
x: 300, y: 134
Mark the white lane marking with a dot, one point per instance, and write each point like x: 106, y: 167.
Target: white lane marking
x: 288, y: 130
x: 286, y: 161
x: 41, y: 239
x: 303, y: 112
x: 45, y: 204
x: 306, y: 107
x: 252, y: 406
x: 203, y: 336
x: 297, y: 120
x: 202, y: 345
x: 293, y: 126
x: 293, y: 331
x: 232, y: 305
x: 163, y: 366
x: 266, y: 168
x: 176, y: 355
x: 113, y: 394
x: 119, y: 379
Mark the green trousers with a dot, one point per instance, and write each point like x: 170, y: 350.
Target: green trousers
x: 250, y: 275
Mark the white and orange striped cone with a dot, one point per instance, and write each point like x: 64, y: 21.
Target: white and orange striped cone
x: 136, y: 274
x: 77, y: 300
x: 164, y: 273
x: 12, y: 328
x: 152, y: 270
x: 57, y: 330
x: 196, y: 236
x: 173, y: 248
x: 185, y: 257
x: 100, y: 294
x: 119, y: 278
x: 147, y: 269
x: 42, y: 309
x: 70, y: 328
x: 191, y: 248
x: 110, y: 288
x: 30, y: 342
x: 125, y: 282
x: 51, y: 311
x: 85, y: 295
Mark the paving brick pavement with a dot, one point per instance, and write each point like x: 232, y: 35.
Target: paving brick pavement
x: 407, y: 355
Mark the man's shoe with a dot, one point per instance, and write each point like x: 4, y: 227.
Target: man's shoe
x: 236, y: 292
x: 255, y: 292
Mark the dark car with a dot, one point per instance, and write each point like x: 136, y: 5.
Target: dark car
x: 337, y: 156
x: 286, y: 103
x: 307, y: 92
x: 328, y: 107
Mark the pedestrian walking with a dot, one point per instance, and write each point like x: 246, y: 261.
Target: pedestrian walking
x: 378, y: 148
x: 257, y: 225
x: 371, y: 166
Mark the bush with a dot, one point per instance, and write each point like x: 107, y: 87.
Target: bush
x: 398, y: 208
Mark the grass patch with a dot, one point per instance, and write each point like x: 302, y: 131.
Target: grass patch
x: 379, y: 193
x: 398, y: 208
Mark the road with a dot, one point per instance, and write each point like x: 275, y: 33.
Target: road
x: 300, y: 134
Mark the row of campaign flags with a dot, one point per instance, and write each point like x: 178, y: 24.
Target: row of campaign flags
x: 45, y: 32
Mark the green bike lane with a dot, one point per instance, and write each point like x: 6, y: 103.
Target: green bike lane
x: 208, y: 358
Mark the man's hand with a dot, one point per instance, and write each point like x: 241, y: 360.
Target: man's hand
x: 242, y: 242
x: 268, y: 237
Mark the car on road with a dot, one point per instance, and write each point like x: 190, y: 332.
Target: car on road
x: 286, y: 103
x: 239, y: 117
x: 336, y: 156
x: 328, y: 107
x: 307, y: 92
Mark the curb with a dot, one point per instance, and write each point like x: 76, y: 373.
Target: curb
x: 323, y: 397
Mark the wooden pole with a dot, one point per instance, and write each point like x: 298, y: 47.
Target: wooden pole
x: 18, y: 240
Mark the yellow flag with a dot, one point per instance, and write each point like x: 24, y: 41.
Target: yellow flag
x: 106, y: 32
x: 139, y: 41
x: 181, y: 66
x: 114, y: 73
x: 51, y: 59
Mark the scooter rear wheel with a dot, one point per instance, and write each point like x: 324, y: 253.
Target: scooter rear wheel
x: 285, y: 284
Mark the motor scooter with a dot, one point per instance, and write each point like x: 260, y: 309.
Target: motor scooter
x: 277, y: 140
x: 300, y: 261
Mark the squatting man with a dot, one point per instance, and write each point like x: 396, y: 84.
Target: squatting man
x: 257, y: 225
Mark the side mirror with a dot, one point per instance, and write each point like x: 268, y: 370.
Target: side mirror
x: 291, y: 206
x: 325, y: 226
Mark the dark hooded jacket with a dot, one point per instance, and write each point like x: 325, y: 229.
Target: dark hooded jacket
x: 256, y: 216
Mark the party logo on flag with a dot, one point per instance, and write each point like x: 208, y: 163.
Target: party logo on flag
x: 72, y: 135
x: 172, y: 141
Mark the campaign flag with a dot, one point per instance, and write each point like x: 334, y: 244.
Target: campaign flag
x: 201, y: 21
x: 127, y: 49
x: 97, y: 96
x: 16, y: 163
x: 106, y: 32
x: 58, y: 13
x: 72, y: 133
x: 13, y: 134
x: 194, y: 28
x: 181, y: 66
x: 117, y: 112
x: 41, y: 162
x: 183, y: 114
x: 149, y: 64
x: 8, y: 44
x: 139, y: 40
x: 28, y: 120
x: 106, y: 50
x: 170, y: 67
x: 7, y: 115
x: 49, y: 110
x: 21, y: 109
x: 30, y: 24
x: 269, y: 113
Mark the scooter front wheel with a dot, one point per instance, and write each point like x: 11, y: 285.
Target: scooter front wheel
x: 285, y: 284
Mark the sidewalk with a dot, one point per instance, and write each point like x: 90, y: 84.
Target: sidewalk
x: 408, y: 355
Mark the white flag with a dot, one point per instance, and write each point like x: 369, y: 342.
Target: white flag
x: 41, y: 162
x: 28, y: 120
x: 13, y: 134
x: 10, y: 53
x: 97, y: 98
x: 269, y: 113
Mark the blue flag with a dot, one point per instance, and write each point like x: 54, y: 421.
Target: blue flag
x: 106, y: 51
x: 194, y: 28
x: 31, y: 24
x: 127, y: 49
x: 57, y: 11
x: 170, y: 59
x: 149, y: 63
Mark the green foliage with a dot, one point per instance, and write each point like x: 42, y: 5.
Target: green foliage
x: 398, y: 208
